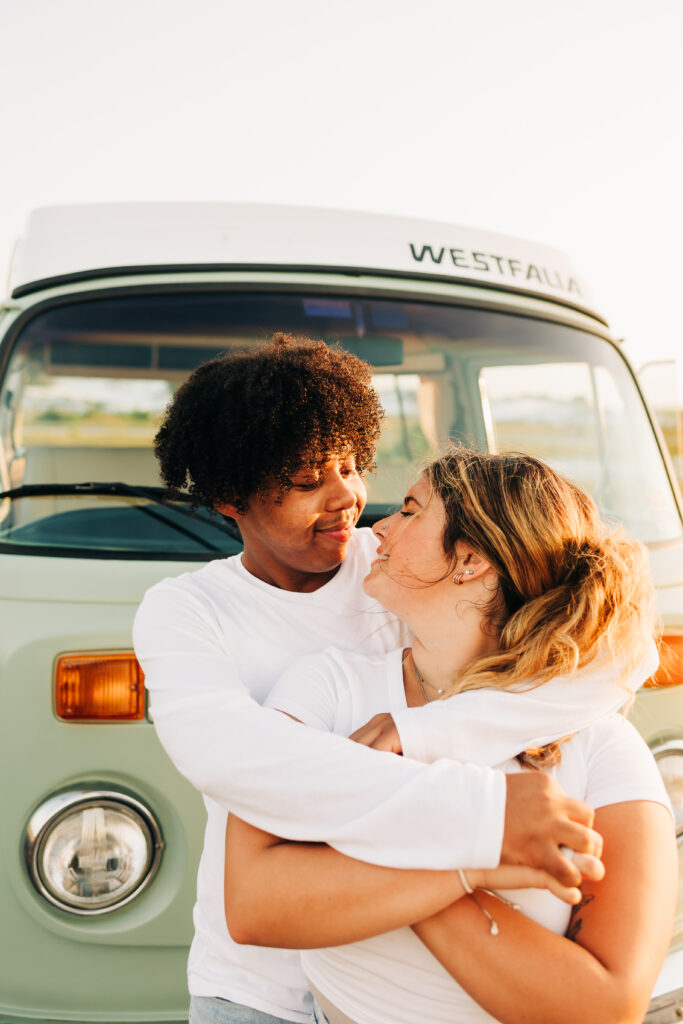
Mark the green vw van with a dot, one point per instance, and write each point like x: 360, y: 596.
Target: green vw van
x: 472, y: 336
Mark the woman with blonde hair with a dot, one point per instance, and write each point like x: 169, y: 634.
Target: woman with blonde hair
x: 507, y: 579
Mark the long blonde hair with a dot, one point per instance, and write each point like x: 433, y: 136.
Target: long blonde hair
x: 570, y: 588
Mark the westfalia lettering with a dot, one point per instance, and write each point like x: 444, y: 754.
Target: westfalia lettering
x: 487, y: 263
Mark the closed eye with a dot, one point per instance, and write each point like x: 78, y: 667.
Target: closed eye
x: 306, y: 485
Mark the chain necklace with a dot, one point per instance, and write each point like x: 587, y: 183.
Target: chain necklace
x: 422, y: 682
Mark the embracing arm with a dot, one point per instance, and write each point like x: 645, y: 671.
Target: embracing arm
x: 294, y: 781
x: 619, y: 935
x: 513, y: 721
x: 304, y: 896
x: 305, y: 785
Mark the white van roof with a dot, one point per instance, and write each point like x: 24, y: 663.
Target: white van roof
x: 88, y: 241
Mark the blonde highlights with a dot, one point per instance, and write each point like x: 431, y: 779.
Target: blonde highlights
x: 571, y: 589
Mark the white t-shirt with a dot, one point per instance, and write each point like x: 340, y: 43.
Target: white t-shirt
x: 393, y: 978
x: 211, y: 644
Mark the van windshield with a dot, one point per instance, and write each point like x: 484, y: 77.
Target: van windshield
x: 87, y: 383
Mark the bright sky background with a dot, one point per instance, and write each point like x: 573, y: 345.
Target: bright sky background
x: 562, y: 123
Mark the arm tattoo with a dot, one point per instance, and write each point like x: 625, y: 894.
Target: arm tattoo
x: 575, y: 921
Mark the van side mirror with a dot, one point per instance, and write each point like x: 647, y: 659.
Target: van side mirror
x: 662, y: 384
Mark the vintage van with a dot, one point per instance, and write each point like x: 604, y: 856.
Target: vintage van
x: 472, y: 336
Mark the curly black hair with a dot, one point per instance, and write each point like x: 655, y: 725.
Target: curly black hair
x: 252, y: 419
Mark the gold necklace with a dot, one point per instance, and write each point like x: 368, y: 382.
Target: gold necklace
x: 422, y: 682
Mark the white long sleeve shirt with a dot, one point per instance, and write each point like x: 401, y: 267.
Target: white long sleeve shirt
x: 212, y: 643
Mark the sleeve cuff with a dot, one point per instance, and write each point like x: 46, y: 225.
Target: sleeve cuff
x: 487, y: 844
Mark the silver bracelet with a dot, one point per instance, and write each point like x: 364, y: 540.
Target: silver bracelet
x: 465, y: 884
x: 493, y: 925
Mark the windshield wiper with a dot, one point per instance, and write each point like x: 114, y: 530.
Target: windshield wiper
x: 157, y: 495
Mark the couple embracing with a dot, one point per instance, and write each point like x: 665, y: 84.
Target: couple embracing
x: 487, y: 632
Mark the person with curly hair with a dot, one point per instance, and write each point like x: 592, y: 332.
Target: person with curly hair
x: 256, y: 418
x: 278, y: 438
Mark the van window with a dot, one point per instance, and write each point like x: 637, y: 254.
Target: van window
x: 87, y: 382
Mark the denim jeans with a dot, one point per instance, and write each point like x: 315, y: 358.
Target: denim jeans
x: 206, y: 1010
x: 318, y: 1015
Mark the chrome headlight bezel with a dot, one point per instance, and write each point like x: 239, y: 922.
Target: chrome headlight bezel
x: 670, y: 748
x: 56, y: 808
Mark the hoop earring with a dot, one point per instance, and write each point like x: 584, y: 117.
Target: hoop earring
x: 458, y: 578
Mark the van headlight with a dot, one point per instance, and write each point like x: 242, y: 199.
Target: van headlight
x: 90, y: 851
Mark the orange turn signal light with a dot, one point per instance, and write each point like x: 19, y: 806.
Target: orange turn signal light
x: 670, y: 671
x: 99, y: 687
